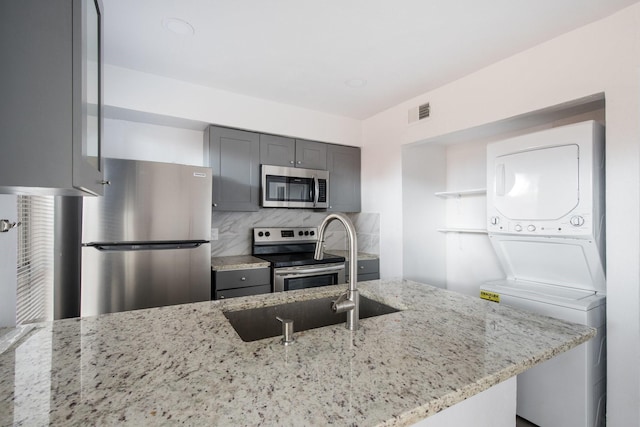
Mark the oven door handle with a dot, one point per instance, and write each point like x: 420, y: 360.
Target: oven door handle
x: 288, y: 271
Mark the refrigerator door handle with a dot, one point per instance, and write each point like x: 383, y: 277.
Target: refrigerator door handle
x: 144, y: 246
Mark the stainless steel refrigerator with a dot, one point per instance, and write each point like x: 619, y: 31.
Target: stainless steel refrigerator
x: 146, y: 242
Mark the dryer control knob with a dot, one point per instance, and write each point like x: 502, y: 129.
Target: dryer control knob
x: 576, y: 221
x: 531, y: 227
x: 518, y: 227
x: 495, y: 220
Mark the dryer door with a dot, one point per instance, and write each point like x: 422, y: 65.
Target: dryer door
x: 539, y: 184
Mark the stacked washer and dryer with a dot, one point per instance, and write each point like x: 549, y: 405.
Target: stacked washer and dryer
x: 545, y: 214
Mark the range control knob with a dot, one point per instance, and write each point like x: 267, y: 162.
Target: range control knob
x: 531, y: 227
x: 518, y: 227
x: 313, y: 233
x: 495, y: 220
x: 300, y: 233
x: 260, y: 233
x: 267, y: 234
x: 576, y: 220
x: 306, y: 233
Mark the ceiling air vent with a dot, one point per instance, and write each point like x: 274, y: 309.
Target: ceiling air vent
x: 420, y: 112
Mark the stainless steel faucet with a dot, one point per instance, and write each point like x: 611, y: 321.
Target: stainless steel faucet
x: 349, y: 302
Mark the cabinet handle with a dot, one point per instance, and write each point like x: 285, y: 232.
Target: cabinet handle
x: 243, y: 278
x: 291, y: 162
x: 215, y: 205
x: 362, y: 267
x: 105, y: 182
x: 299, y: 162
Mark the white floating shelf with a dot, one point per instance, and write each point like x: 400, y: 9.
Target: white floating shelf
x: 461, y: 193
x: 463, y: 230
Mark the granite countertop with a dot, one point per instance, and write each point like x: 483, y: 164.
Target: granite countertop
x: 361, y: 255
x: 186, y: 364
x: 238, y: 262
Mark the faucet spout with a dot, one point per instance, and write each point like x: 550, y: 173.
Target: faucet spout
x: 352, y: 307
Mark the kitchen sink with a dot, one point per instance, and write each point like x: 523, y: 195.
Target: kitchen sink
x: 254, y: 324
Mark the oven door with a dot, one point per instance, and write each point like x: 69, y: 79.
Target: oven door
x: 307, y: 276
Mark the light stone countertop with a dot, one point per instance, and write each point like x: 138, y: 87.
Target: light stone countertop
x: 362, y: 256
x: 237, y: 262
x: 186, y: 365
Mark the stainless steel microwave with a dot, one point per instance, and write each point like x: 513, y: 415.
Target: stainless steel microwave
x: 284, y: 187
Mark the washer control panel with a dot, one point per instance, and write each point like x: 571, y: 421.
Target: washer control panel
x: 573, y: 225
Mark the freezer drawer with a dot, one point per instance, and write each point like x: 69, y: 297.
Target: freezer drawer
x: 121, y: 280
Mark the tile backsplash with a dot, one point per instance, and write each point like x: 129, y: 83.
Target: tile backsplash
x: 234, y: 229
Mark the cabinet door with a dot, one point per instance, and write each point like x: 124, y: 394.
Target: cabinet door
x: 277, y: 150
x: 311, y: 154
x: 234, y: 157
x: 87, y: 138
x: 344, y: 178
x: 50, y: 108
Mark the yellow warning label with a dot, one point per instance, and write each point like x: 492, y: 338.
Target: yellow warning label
x: 490, y: 296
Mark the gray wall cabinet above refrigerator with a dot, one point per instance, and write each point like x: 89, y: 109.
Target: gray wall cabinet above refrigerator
x: 51, y: 103
x: 236, y: 155
x: 301, y: 153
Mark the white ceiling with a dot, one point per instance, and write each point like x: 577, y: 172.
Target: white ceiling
x: 301, y: 52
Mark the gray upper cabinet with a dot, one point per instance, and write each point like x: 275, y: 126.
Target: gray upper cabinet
x: 51, y: 103
x: 283, y: 151
x: 344, y: 178
x: 234, y: 157
x: 311, y: 154
x: 277, y: 150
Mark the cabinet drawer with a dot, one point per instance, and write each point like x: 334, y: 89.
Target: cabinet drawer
x: 232, y: 279
x: 368, y: 266
x: 243, y: 292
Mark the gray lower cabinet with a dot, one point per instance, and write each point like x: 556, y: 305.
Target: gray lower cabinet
x: 282, y: 151
x: 51, y: 103
x: 343, y: 164
x: 234, y: 157
x: 368, y: 269
x: 238, y: 283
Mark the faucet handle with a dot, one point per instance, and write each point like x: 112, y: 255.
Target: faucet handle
x: 287, y: 330
x: 342, y: 304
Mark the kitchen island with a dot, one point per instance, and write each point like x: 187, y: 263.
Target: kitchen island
x: 186, y: 364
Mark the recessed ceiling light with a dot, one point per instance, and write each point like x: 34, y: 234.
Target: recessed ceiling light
x: 178, y: 26
x: 356, y: 82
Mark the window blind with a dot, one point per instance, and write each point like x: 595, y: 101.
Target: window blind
x: 34, y: 300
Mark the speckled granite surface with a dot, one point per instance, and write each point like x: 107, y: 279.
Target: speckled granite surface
x: 237, y: 262
x: 185, y: 364
x: 361, y: 255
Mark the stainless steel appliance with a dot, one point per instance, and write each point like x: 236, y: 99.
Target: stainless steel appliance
x: 146, y: 241
x: 290, y: 252
x: 284, y: 187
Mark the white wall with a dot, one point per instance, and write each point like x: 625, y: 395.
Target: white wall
x: 136, y: 91
x: 424, y: 173
x: 142, y: 141
x: 603, y: 57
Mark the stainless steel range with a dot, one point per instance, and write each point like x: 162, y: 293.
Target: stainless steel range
x: 290, y: 252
